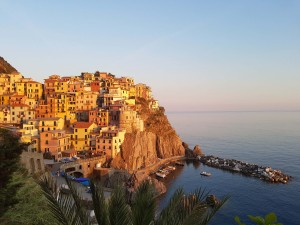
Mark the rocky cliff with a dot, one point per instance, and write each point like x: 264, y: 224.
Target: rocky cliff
x: 159, y: 140
x: 5, y: 67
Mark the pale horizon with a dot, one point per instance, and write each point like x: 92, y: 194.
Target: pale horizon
x: 197, y: 57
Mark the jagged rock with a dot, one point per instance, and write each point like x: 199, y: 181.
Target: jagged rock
x: 185, y: 145
x: 189, y: 153
x: 138, y: 151
x: 142, y: 149
x: 197, y: 150
x: 159, y: 186
x: 5, y: 67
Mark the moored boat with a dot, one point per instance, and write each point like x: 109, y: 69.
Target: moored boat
x: 178, y: 163
x: 171, y: 168
x: 161, y: 175
x: 205, y: 174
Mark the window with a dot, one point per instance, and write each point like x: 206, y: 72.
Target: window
x: 46, y: 142
x: 46, y: 135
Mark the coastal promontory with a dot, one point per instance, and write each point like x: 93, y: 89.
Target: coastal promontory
x: 159, y: 140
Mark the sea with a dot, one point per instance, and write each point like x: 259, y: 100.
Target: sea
x: 263, y: 138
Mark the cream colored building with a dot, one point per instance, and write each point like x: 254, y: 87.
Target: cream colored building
x: 109, y: 141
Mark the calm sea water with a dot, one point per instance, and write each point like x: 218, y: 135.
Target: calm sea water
x: 264, y: 138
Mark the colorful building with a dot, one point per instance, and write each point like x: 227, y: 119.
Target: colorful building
x: 81, y: 134
x: 109, y: 141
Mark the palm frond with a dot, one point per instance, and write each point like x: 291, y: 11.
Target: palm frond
x: 169, y: 215
x: 49, y: 190
x: 214, y: 210
x: 119, y: 210
x: 100, y: 205
x: 66, y: 208
x: 144, y: 204
x: 79, y: 209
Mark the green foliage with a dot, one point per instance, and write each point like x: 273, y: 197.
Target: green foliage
x: 270, y: 219
x: 66, y: 208
x: 10, y: 150
x: 32, y: 205
x: 122, y: 209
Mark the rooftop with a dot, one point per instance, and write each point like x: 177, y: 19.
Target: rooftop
x: 82, y: 125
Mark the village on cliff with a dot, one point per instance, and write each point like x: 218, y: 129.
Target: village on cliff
x: 72, y: 117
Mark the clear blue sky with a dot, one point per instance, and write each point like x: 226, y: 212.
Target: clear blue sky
x: 196, y: 55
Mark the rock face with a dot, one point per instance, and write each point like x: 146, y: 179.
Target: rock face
x: 138, y: 150
x: 142, y: 149
x: 197, y: 150
x: 5, y: 67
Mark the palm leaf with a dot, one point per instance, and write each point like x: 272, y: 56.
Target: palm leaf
x: 119, y: 210
x: 80, y: 211
x: 66, y: 208
x: 144, y: 204
x: 169, y: 215
x: 100, y: 205
x: 50, y: 192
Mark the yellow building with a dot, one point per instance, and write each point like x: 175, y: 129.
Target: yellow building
x: 20, y: 88
x: 81, y: 135
x: 48, y: 124
x: 18, y: 113
x: 109, y: 141
x: 30, y: 134
x: 5, y: 114
x: 5, y: 99
x: 132, y: 92
x: 4, y: 84
x: 34, y: 90
x: 13, y: 79
x: 86, y: 100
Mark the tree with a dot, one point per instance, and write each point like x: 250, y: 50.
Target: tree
x: 182, y: 209
x: 31, y: 207
x: 10, y: 150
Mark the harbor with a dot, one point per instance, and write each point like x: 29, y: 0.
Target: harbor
x: 265, y: 173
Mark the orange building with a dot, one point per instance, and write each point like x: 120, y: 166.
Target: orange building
x: 54, y: 142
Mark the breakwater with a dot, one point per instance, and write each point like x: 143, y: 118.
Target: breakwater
x: 262, y: 172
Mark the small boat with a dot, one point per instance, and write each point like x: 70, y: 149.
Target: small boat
x: 179, y: 163
x: 205, y: 174
x: 161, y: 175
x: 171, y: 168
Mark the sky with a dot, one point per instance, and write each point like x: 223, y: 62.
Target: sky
x: 195, y: 55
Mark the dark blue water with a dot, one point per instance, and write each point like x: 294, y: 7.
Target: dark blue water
x: 264, y: 138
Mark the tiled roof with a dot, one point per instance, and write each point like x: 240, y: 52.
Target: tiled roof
x: 83, y: 125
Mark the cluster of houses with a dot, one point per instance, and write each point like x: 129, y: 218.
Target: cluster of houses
x: 67, y: 115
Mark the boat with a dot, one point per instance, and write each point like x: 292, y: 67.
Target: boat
x: 205, y: 174
x: 161, y: 175
x: 179, y: 163
x: 164, y: 171
x: 171, y: 168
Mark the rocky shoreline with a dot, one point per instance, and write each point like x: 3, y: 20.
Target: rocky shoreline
x: 265, y: 173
